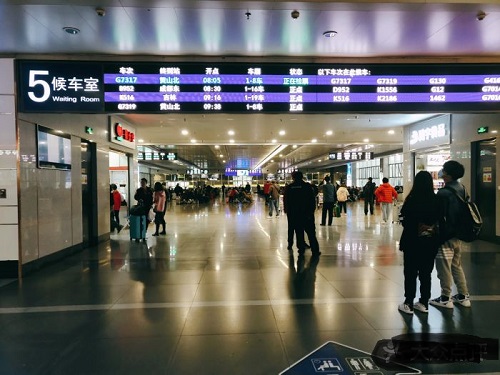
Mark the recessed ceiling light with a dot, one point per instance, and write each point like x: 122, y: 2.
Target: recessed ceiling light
x: 221, y: 155
x: 140, y: 140
x: 230, y: 119
x: 314, y: 140
x: 281, y: 155
x: 217, y: 147
x: 230, y: 132
x: 223, y: 161
x: 271, y: 161
x: 184, y: 132
x: 494, y: 131
x: 294, y: 146
x: 329, y: 33
x: 193, y: 140
x: 231, y: 141
x: 71, y: 30
x: 329, y: 132
x: 366, y: 140
x: 319, y: 160
x: 274, y: 141
x: 391, y: 132
x: 282, y: 132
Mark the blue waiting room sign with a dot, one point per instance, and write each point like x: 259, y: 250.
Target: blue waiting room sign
x: 333, y: 358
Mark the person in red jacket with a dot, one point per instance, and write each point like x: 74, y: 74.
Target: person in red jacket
x: 115, y: 207
x: 385, y: 194
x: 267, y: 187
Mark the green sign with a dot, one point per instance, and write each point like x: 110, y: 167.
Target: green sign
x: 482, y: 130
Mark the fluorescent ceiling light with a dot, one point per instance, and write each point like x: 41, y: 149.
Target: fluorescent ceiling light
x: 276, y: 151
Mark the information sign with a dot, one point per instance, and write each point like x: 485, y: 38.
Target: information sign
x: 171, y: 87
x: 334, y: 358
x: 347, y: 155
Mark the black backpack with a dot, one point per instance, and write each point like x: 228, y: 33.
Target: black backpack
x: 469, y: 222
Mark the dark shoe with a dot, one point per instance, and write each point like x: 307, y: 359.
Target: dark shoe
x: 163, y: 233
x: 156, y: 234
x: 442, y: 301
x: 307, y: 246
x: 120, y: 228
x: 322, y: 224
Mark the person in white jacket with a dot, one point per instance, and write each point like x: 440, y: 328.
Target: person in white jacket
x: 342, y: 196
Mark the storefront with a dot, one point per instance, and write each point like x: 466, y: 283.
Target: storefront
x: 429, y: 143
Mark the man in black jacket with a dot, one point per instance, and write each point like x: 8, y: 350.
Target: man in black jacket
x: 369, y: 195
x: 299, y: 205
x: 449, y: 258
x: 144, y: 196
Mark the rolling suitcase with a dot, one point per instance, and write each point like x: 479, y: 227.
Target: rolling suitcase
x: 138, y: 227
x: 396, y: 210
x: 336, y: 210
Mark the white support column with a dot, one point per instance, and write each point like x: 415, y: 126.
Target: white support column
x: 9, y: 202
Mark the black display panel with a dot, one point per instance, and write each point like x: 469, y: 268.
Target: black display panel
x: 252, y: 88
x: 60, y: 87
x: 53, y: 149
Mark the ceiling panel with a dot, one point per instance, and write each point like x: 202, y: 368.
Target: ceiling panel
x: 202, y: 29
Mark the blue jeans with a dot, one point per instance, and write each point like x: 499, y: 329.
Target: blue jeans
x: 276, y: 204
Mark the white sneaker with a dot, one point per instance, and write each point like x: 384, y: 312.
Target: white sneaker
x: 420, y: 307
x: 405, y: 308
x: 439, y: 302
x: 462, y: 299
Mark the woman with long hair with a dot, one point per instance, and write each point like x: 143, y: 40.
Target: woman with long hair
x: 421, y: 214
x: 159, y: 201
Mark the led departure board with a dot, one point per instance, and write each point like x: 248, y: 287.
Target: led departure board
x: 115, y: 87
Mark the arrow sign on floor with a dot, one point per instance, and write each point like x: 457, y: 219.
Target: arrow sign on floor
x: 333, y: 358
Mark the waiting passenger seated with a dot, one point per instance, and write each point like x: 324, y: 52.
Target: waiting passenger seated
x: 187, y: 196
x: 232, y: 194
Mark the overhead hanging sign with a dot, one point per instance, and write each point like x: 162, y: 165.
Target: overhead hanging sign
x: 172, y: 87
x: 157, y: 155
x: 60, y: 87
x: 348, y: 155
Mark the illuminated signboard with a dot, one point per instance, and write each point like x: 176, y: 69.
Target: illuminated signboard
x: 168, y: 87
x: 347, y: 155
x: 157, y: 155
x: 242, y: 172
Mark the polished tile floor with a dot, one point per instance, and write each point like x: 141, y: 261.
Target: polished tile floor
x: 221, y: 294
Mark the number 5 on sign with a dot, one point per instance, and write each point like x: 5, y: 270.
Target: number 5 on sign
x: 33, y: 82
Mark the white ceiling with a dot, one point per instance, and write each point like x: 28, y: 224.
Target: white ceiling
x: 419, y: 30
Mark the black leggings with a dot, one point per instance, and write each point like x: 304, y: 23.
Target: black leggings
x: 160, y: 219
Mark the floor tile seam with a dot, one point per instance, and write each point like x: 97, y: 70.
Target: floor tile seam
x: 199, y: 304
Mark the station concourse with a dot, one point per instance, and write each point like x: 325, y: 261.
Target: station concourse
x: 198, y: 92
x: 221, y: 294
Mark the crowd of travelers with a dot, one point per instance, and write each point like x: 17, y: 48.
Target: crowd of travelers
x: 430, y: 221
